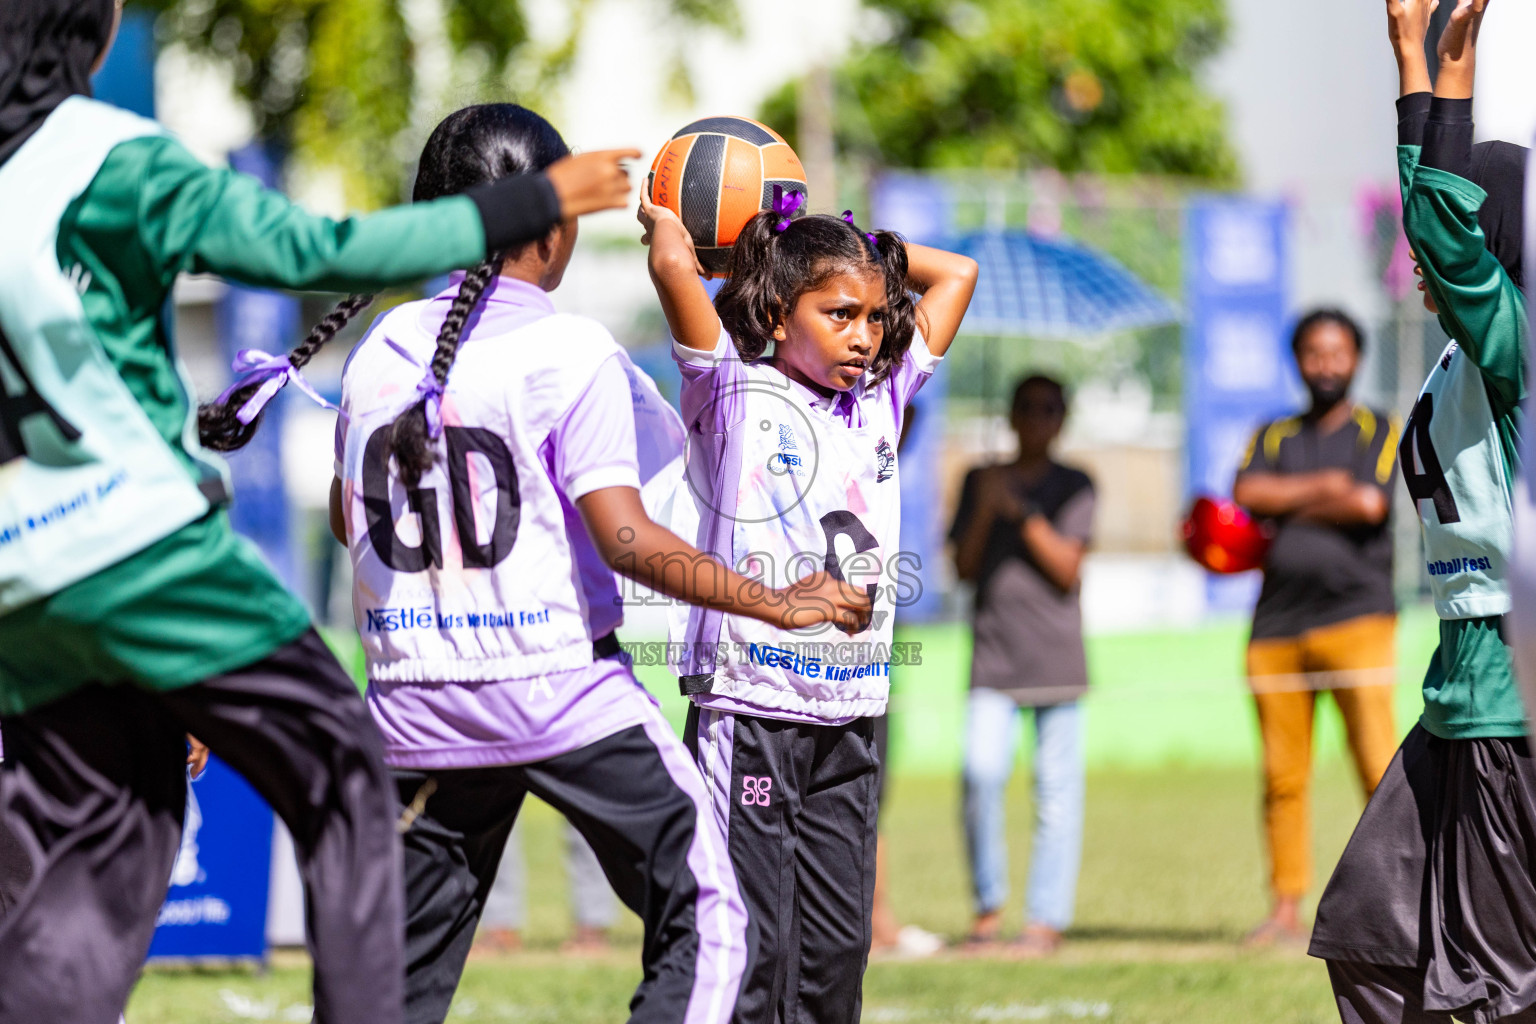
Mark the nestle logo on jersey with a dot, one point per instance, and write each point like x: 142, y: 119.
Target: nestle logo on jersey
x: 1451, y: 567
x: 388, y: 620
x: 788, y: 456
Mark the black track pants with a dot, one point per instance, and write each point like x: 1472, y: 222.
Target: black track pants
x: 640, y: 804
x: 798, y: 804
x: 1378, y: 994
x: 94, y: 787
x: 15, y: 868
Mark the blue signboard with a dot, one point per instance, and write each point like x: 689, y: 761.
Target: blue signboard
x: 217, y: 904
x: 1237, y: 367
x: 921, y: 209
x: 269, y: 321
x: 127, y: 77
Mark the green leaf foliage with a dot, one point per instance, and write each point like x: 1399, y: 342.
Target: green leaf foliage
x: 1107, y: 86
x: 335, y: 81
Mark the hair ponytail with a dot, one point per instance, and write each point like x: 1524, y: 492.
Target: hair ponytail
x: 470, y: 147
x: 749, y: 303
x: 228, y: 423
x: 414, y: 430
x: 901, y: 312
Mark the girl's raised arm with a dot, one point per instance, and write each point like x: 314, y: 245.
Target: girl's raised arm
x: 675, y: 271
x: 945, y: 280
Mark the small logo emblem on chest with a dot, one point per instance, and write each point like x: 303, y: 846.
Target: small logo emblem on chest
x: 1450, y: 352
x: 885, y: 460
x: 787, y: 459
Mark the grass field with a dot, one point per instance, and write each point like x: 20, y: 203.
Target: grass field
x: 1172, y: 872
x: 1172, y: 877
x: 1172, y: 868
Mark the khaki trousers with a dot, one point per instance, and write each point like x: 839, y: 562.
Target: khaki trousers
x: 1354, y: 660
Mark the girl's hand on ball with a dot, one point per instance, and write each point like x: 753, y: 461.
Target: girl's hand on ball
x: 659, y: 221
x: 589, y: 182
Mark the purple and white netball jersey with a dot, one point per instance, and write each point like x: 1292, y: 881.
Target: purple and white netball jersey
x: 785, y: 482
x: 478, y: 592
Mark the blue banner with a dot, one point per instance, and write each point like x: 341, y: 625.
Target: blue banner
x: 127, y: 76
x: 1237, y: 368
x: 253, y: 318
x: 922, y: 210
x: 217, y: 905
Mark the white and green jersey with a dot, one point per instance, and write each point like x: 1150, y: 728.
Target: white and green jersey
x: 1461, y: 454
x: 85, y: 478
x: 1456, y: 472
x: 116, y: 563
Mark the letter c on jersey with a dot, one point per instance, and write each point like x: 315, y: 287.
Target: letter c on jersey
x: 461, y: 443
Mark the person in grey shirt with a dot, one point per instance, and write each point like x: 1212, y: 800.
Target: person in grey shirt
x: 1020, y: 534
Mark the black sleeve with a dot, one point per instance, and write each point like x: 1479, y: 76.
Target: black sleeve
x: 1448, y: 137
x: 1412, y: 112
x: 516, y: 210
x: 966, y: 508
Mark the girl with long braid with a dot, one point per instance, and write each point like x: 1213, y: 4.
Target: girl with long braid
x: 488, y: 487
x: 130, y: 613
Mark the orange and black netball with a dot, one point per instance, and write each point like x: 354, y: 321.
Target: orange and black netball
x: 716, y: 174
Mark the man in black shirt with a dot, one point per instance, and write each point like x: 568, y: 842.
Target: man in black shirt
x: 1326, y: 618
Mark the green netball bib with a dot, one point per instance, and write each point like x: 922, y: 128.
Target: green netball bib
x: 85, y: 479
x: 1454, y: 469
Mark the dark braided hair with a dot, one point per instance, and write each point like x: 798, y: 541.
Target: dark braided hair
x: 218, y: 423
x: 409, y: 441
x: 470, y: 147
x: 771, y: 269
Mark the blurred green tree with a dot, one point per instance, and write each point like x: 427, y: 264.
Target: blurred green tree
x: 1107, y: 86
x: 336, y: 82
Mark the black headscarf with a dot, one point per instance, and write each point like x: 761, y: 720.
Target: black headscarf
x: 47, y: 48
x: 1498, y: 168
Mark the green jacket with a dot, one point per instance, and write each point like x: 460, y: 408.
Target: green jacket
x: 1469, y: 688
x: 201, y: 602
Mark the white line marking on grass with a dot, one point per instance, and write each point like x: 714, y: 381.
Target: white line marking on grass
x: 1067, y: 1009
x: 1071, y: 1009
x: 247, y: 1008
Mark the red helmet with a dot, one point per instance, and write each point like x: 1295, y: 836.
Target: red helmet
x: 1221, y: 536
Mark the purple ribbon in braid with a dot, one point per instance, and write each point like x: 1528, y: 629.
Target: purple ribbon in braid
x: 873, y: 243
x: 432, y: 395
x: 786, y: 205
x: 252, y: 365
